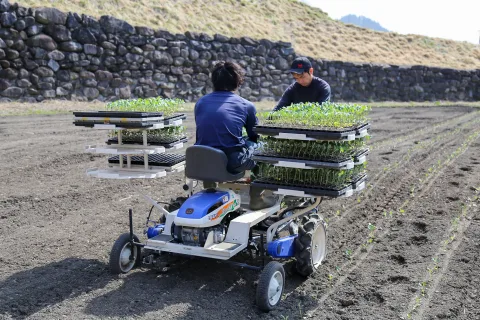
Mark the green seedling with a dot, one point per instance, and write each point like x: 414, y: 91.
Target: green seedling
x: 311, y: 150
x: 158, y: 104
x: 167, y: 106
x: 317, y: 116
x: 317, y: 178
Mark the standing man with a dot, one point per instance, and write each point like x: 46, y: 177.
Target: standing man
x: 306, y: 87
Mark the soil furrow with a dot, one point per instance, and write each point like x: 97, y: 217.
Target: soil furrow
x: 58, y: 226
x: 361, y: 259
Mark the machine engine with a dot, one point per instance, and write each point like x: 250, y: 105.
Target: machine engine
x: 198, y: 236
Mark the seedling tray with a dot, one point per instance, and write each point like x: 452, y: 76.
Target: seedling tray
x: 360, y: 157
x: 119, y: 126
x: 303, y: 164
x: 116, y: 114
x: 167, y: 144
x: 298, y: 134
x: 174, y: 119
x: 357, y: 183
x: 342, y: 163
x: 157, y: 160
x: 302, y: 190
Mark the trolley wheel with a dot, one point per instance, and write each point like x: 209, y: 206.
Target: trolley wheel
x: 311, y: 244
x: 120, y: 255
x: 270, y: 286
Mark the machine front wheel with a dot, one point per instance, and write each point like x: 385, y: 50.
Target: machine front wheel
x: 311, y: 244
x: 270, y: 286
x: 120, y: 255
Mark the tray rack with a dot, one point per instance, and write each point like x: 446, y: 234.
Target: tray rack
x: 308, y: 191
x: 175, y: 144
x: 344, y: 164
x: 357, y: 184
x: 133, y: 160
x: 309, y: 134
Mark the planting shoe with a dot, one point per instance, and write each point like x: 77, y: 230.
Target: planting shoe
x: 258, y: 201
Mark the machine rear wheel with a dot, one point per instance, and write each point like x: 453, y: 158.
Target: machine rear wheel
x: 311, y: 244
x: 270, y: 286
x: 120, y: 255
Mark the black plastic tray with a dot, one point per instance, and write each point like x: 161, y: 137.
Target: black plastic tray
x: 308, y: 190
x: 361, y: 153
x: 315, y: 134
x: 167, y: 145
x: 310, y: 163
x: 128, y: 125
x: 359, y: 181
x: 173, y: 118
x: 160, y: 160
x: 117, y: 114
x: 313, y: 163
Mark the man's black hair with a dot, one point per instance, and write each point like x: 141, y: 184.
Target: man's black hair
x: 227, y: 76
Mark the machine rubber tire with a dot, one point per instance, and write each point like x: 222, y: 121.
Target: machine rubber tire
x: 271, y: 282
x: 312, y: 236
x: 121, y: 244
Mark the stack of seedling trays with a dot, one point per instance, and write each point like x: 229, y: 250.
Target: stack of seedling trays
x: 137, y: 139
x: 313, y: 149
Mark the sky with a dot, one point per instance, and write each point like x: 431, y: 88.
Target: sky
x: 457, y: 20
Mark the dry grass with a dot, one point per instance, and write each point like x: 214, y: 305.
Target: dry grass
x: 309, y: 29
x: 49, y: 107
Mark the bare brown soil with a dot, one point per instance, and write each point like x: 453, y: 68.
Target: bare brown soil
x: 420, y: 261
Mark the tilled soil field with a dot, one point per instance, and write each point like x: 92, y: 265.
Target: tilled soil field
x: 405, y: 248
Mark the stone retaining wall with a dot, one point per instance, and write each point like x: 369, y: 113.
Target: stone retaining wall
x: 46, y: 53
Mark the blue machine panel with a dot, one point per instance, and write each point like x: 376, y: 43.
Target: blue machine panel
x: 283, y: 247
x: 196, y: 207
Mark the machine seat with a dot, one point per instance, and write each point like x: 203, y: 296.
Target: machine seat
x: 208, y: 164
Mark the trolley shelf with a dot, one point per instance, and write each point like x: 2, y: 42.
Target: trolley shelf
x: 302, y: 191
x: 309, y: 134
x: 174, y: 120
x: 174, y: 168
x: 155, y: 160
x: 124, y: 149
x: 176, y: 144
x: 303, y: 164
x: 345, y: 163
x: 122, y: 126
x: 117, y: 173
x: 117, y: 114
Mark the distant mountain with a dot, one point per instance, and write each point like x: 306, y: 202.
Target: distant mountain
x: 363, y: 22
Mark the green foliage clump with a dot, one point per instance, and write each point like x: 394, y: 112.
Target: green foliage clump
x: 314, y: 178
x: 157, y: 104
x: 316, y: 116
x: 165, y: 135
x: 311, y: 150
x: 169, y: 107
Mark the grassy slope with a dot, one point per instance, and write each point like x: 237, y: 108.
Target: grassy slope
x: 309, y: 29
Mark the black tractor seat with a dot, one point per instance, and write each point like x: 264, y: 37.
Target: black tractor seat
x: 209, y: 165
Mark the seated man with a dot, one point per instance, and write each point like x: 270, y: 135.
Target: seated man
x: 220, y: 117
x: 306, y: 88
